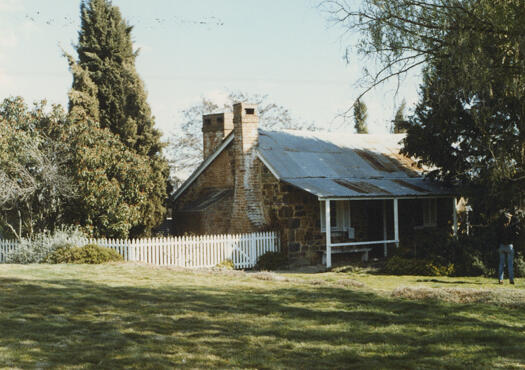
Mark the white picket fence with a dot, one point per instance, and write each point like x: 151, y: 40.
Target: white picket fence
x: 6, y: 246
x: 186, y: 251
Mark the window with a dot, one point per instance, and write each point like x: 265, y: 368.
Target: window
x: 339, y: 215
x: 429, y: 212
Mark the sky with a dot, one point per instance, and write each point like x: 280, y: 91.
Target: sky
x: 288, y: 50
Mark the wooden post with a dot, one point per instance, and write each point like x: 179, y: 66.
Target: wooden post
x: 454, y: 217
x: 253, y: 250
x: 384, y: 227
x: 396, y: 223
x: 328, y: 229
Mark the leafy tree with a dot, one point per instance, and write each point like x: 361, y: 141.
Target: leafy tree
x: 405, y: 34
x: 113, y: 182
x: 473, y: 143
x: 35, y: 186
x: 470, y: 120
x: 185, y: 148
x: 399, y: 123
x: 360, y: 117
x: 108, y: 93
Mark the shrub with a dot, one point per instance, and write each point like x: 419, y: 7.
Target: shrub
x: 440, y: 270
x: 90, y: 254
x: 36, y: 249
x: 226, y: 264
x: 519, y: 266
x: 272, y: 261
x: 406, y: 266
x: 472, y: 255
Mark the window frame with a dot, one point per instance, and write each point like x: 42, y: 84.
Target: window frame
x: 429, y: 212
x: 343, y: 219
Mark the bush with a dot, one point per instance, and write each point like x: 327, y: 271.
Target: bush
x: 90, y: 254
x: 472, y: 255
x: 226, y: 264
x: 36, y: 249
x: 519, y: 266
x: 272, y: 261
x: 407, y: 266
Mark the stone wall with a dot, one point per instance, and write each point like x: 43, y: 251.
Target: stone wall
x: 219, y: 174
x: 295, y: 214
x: 214, y: 219
x: 237, y: 168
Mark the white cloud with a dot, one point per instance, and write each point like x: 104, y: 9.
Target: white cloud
x: 219, y: 97
x: 10, y: 5
x: 143, y: 48
x: 8, y: 39
x: 29, y: 28
x: 5, y: 82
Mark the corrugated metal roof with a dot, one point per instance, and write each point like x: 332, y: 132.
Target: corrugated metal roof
x: 371, y: 188
x: 344, y: 164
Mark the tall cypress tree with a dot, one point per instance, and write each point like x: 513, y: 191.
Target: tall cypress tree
x: 106, y: 59
x: 399, y: 122
x: 360, y: 117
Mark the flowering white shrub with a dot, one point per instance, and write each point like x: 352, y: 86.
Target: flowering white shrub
x: 36, y: 249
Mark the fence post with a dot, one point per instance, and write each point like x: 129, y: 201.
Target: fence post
x: 253, y: 249
x: 130, y: 250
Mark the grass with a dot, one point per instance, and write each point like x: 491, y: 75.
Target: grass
x: 135, y: 316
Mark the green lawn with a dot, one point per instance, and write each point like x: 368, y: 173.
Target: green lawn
x: 126, y: 315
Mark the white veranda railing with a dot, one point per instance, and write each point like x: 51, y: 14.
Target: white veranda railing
x: 185, y: 251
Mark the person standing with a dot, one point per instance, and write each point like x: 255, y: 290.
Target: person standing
x: 507, y: 233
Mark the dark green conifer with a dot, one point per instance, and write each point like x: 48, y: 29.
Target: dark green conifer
x: 399, y: 123
x: 360, y: 117
x: 107, y: 89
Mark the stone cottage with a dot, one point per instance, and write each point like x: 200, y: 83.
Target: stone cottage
x: 325, y: 193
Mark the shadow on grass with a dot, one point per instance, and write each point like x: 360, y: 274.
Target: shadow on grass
x: 455, y: 282
x: 47, y: 323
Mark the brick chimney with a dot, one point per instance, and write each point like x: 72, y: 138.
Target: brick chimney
x: 248, y: 214
x: 215, y: 127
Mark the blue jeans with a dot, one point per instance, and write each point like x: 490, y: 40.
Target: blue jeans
x: 506, y: 251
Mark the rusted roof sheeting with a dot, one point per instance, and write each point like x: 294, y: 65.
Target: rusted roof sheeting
x: 361, y: 186
x: 344, y: 164
x: 409, y: 185
x: 376, y: 160
x: 326, y: 188
x: 294, y: 154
